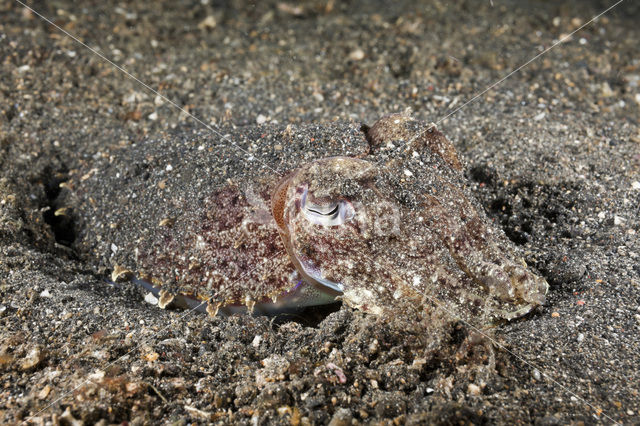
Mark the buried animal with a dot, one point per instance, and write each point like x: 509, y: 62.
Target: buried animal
x: 379, y: 219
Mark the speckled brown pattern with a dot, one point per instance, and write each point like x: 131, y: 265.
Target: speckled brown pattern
x: 435, y: 248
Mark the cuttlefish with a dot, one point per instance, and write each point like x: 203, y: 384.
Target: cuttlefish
x: 379, y: 217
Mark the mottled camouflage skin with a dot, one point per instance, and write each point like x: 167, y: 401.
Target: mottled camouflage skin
x: 243, y: 235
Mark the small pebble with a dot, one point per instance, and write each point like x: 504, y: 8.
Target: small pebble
x: 151, y: 299
x: 473, y: 389
x: 208, y: 23
x: 33, y: 358
x: 151, y: 356
x: 44, y: 392
x: 606, y: 90
x: 261, y: 119
x: 356, y: 55
x: 342, y: 378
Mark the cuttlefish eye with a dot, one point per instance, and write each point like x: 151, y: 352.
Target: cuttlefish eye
x: 331, y: 213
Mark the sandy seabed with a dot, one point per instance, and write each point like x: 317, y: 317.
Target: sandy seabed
x: 553, y: 154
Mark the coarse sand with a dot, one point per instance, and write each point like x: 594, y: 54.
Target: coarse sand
x: 552, y: 152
